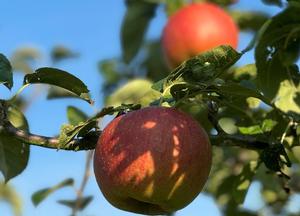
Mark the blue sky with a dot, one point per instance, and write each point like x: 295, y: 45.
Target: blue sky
x: 92, y: 29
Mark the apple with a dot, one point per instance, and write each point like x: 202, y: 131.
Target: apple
x: 196, y: 28
x: 155, y: 160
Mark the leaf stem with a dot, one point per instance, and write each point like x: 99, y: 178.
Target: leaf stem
x: 19, y: 92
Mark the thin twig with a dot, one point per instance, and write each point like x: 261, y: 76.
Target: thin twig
x: 89, y: 157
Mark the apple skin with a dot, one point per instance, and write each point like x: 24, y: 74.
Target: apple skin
x: 152, y: 161
x: 194, y: 29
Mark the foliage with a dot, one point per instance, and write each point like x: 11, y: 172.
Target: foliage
x: 6, y: 72
x: 9, y: 195
x: 253, y: 107
x: 42, y: 194
x: 57, y: 77
x: 14, y: 153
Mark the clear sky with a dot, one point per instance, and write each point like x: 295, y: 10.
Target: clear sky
x: 92, y: 29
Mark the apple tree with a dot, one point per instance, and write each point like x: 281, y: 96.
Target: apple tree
x: 250, y: 112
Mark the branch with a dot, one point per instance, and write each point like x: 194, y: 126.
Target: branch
x: 87, y: 143
x: 223, y: 139
x: 244, y: 141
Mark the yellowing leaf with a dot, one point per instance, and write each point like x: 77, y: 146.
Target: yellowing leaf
x: 8, y: 194
x: 286, y: 97
x: 133, y: 92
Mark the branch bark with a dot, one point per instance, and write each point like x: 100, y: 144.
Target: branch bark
x: 87, y: 143
x: 243, y: 141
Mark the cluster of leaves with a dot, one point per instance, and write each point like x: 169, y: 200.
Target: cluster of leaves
x: 14, y: 153
x: 233, y: 105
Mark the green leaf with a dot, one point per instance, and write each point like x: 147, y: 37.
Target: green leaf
x: 69, y: 132
x: 274, y: 55
x: 42, y: 194
x: 251, y: 20
x: 58, y: 93
x: 236, y: 186
x: 275, y: 2
x: 134, y: 26
x: 252, y: 130
x: 6, y: 75
x: 75, y: 115
x: 245, y: 72
x: 275, y: 157
x: 237, y: 90
x: 83, y: 202
x: 23, y: 58
x: 243, y: 182
x: 200, y: 76
x: 159, y: 85
x: 279, y: 124
x: 291, y: 52
x: 173, y: 6
x: 105, y: 111
x: 109, y: 69
x: 137, y: 91
x: 63, y: 79
x: 154, y: 62
x: 59, y: 53
x: 253, y: 102
x: 226, y: 186
x: 206, y: 66
x: 266, y: 126
x: 220, y: 2
x: 14, y: 154
x: 120, y: 109
x: 286, y: 95
x: 8, y: 194
x: 233, y: 208
x: 295, y: 3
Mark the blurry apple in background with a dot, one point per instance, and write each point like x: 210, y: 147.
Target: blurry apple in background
x: 196, y: 28
x: 152, y: 161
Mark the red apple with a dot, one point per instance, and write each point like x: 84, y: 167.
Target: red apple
x: 196, y: 28
x: 152, y: 161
